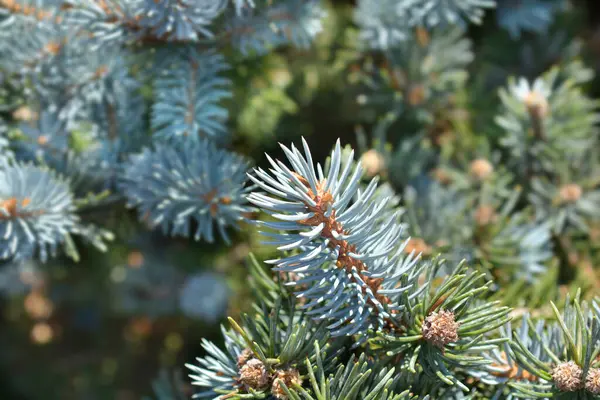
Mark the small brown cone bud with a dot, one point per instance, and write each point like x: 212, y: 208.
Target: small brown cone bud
x: 422, y: 36
x: 43, y: 140
x: 416, y: 95
x: 417, y: 245
x: 485, y: 215
x: 592, y: 381
x: 9, y: 206
x: 24, y: 113
x: 254, y: 374
x: 440, y: 328
x: 536, y: 104
x: 567, y: 376
x: 52, y: 48
x: 481, y: 169
x: 372, y: 162
x: 442, y: 176
x: 244, y: 357
x: 289, y: 377
x: 570, y: 193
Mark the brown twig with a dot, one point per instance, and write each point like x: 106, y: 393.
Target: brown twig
x: 10, y: 205
x: 324, y: 200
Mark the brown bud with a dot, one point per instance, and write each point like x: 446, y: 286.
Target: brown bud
x: 416, y: 95
x: 481, y: 169
x: 244, y: 356
x: 485, y: 215
x: 372, y: 162
x: 567, y: 376
x: 592, y: 381
x: 289, y: 377
x: 417, y: 245
x: 536, y: 104
x: 24, y: 113
x: 53, y: 48
x: 101, y: 71
x: 442, y: 176
x: 440, y: 328
x: 570, y: 193
x: 422, y: 36
x: 9, y: 206
x: 254, y: 374
x: 43, y: 140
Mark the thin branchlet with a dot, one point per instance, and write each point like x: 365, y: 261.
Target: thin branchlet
x: 324, y: 201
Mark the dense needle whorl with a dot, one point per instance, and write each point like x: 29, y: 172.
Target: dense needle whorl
x: 349, y: 250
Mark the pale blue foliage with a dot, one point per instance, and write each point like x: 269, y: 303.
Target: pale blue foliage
x: 8, y: 19
x: 294, y: 22
x: 180, y: 19
x: 188, y: 94
x: 45, y: 139
x: 551, y: 207
x: 525, y: 246
x: 6, y: 154
x: 100, y: 89
x: 217, y: 371
x: 547, y: 122
x: 179, y: 185
x: 107, y: 95
x: 36, y: 212
x: 24, y: 44
x: 241, y: 5
x: 84, y: 65
x: 91, y: 171
x: 382, y: 23
x: 328, y: 257
x: 81, y: 86
x: 527, y: 15
x: 438, y: 65
x: 434, y: 64
x: 504, y: 365
x: 440, y: 12
x: 105, y: 22
x: 386, y: 23
x: 250, y: 27
x: 429, y: 207
x: 517, y: 245
x: 204, y: 296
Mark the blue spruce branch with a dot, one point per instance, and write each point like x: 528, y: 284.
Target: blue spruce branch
x: 177, y: 185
